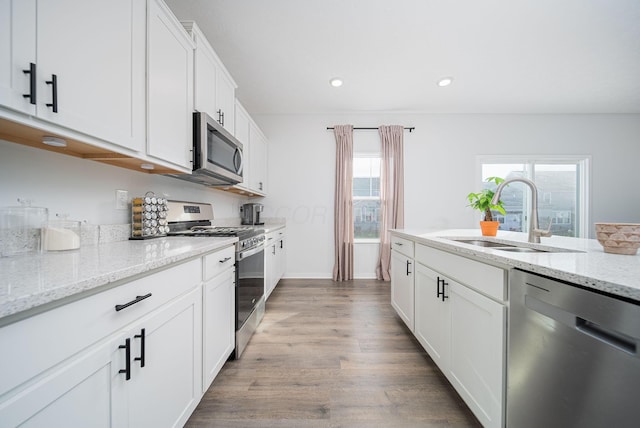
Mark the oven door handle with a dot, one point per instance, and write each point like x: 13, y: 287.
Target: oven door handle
x: 244, y: 254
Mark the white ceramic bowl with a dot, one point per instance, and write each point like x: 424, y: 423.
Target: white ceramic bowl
x: 619, y: 238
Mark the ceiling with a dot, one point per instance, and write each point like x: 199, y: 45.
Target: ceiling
x: 505, y: 56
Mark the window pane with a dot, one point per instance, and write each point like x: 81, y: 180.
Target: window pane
x: 557, y: 197
x: 366, y: 197
x: 366, y: 215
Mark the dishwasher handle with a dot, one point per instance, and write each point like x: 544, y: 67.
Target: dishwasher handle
x: 606, y: 335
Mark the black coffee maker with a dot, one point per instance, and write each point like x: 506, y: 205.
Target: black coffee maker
x: 250, y: 214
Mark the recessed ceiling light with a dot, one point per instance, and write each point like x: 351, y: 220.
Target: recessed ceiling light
x: 147, y: 166
x: 54, y: 142
x: 336, y: 82
x: 445, y: 81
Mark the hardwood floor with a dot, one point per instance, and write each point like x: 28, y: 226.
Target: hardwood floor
x: 331, y: 354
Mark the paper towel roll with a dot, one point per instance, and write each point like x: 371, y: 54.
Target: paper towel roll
x: 58, y: 239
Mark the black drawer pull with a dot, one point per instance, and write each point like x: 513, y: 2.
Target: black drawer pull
x: 408, y: 264
x: 141, y: 336
x: 32, y: 83
x: 54, y: 92
x: 127, y: 364
x: 226, y: 259
x: 133, y: 302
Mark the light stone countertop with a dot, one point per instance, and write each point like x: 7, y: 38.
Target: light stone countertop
x: 30, y: 283
x: 588, y: 266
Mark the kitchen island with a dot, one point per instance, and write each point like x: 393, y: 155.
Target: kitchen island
x: 454, y: 289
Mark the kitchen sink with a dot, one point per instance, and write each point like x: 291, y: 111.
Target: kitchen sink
x: 523, y: 250
x: 482, y: 243
x: 513, y: 247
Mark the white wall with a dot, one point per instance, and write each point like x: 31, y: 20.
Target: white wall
x: 85, y: 190
x: 440, y: 169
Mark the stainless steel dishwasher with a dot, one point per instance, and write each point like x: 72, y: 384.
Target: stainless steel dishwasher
x: 573, y: 356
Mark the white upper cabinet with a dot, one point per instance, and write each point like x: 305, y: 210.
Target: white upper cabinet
x: 88, y: 66
x: 241, y: 132
x: 258, y: 159
x: 170, y: 88
x: 17, y: 54
x: 215, y: 89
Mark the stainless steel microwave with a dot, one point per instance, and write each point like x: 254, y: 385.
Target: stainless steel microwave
x: 217, y: 155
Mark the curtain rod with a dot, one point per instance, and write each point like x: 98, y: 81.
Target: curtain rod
x: 410, y: 128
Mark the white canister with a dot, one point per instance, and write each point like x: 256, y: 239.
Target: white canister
x: 61, y: 235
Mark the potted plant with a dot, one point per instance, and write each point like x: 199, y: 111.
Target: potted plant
x: 482, y: 202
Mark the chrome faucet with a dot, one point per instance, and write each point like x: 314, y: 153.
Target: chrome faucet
x: 534, y: 232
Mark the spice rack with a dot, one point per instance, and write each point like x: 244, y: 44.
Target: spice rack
x: 149, y: 217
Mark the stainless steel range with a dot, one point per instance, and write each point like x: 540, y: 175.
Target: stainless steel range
x: 194, y: 219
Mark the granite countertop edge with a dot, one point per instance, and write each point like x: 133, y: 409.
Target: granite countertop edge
x: 30, y: 282
x: 588, y: 266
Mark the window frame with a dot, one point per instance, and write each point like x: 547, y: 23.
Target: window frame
x: 583, y: 163
x: 365, y: 155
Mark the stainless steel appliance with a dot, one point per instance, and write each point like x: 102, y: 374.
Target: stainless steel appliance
x: 217, y: 155
x: 250, y: 214
x: 194, y: 219
x: 573, y: 356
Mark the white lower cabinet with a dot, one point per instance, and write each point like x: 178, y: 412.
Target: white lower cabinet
x: 432, y: 309
x: 463, y: 330
x: 218, y: 323
x: 164, y: 387
x: 402, y: 287
x: 83, y: 392
x: 274, y: 260
x: 130, y: 356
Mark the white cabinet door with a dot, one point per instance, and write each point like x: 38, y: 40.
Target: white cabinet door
x: 477, y: 352
x: 281, y: 256
x: 17, y: 52
x: 165, y: 385
x: 226, y: 100
x: 204, y: 72
x: 89, y: 65
x: 80, y: 393
x: 402, y: 287
x: 95, y: 52
x: 218, y: 324
x: 270, y: 264
x: 241, y: 126
x: 432, y: 314
x: 170, y: 88
x: 258, y: 159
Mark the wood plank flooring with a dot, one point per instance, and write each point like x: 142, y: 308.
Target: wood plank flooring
x: 331, y: 354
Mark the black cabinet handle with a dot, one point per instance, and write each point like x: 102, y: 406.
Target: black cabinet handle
x: 281, y: 244
x: 222, y: 118
x: 441, y: 293
x: 260, y: 185
x: 398, y: 243
x: 127, y: 366
x: 219, y: 116
x: 408, y: 264
x: 226, y: 259
x: 54, y: 92
x: 133, y: 302
x: 141, y: 336
x: 32, y: 83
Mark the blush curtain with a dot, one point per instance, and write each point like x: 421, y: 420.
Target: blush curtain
x: 343, y: 217
x: 391, y: 193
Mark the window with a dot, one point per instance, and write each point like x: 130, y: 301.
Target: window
x: 366, y: 197
x: 562, y: 192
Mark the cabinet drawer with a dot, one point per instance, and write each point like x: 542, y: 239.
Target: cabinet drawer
x: 35, y: 344
x: 402, y: 245
x: 487, y: 279
x: 218, y: 262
